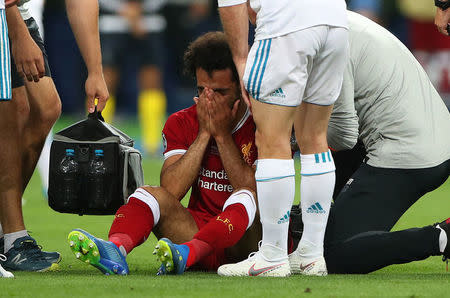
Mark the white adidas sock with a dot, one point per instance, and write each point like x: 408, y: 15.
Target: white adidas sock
x: 11, y: 237
x: 442, y: 239
x: 316, y: 192
x: 275, y: 184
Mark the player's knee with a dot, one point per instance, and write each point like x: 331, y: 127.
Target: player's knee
x: 147, y: 197
x: 245, y: 197
x: 164, y: 198
x: 51, y: 113
x: 156, y: 191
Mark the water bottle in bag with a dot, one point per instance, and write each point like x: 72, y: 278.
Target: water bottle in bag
x: 69, y: 188
x: 96, y: 182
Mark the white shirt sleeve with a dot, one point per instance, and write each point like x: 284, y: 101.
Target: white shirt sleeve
x: 224, y: 3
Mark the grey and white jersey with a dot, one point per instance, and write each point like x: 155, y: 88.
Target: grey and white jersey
x: 386, y: 93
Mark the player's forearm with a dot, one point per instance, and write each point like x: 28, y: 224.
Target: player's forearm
x: 83, y: 17
x: 16, y: 26
x: 179, y: 177
x: 238, y: 171
x: 235, y: 25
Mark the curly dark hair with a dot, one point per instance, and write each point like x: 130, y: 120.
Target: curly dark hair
x: 210, y: 52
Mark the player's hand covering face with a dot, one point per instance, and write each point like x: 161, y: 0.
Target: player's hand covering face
x: 221, y: 95
x: 220, y: 113
x: 202, y: 113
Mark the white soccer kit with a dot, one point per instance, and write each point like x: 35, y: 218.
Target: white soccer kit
x: 5, y: 60
x: 300, y: 51
x: 305, y: 65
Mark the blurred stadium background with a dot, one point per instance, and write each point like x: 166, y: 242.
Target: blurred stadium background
x: 143, y: 43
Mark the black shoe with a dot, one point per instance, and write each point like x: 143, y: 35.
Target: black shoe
x: 296, y: 225
x: 26, y: 255
x: 51, y: 256
x: 445, y: 225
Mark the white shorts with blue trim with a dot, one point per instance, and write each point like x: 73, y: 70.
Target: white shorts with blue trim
x: 306, y: 65
x: 5, y: 59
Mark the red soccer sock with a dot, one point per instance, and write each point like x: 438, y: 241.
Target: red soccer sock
x: 222, y: 231
x: 124, y: 240
x: 132, y: 224
x: 198, y: 249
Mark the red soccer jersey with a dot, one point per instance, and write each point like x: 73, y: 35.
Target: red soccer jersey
x: 212, y: 187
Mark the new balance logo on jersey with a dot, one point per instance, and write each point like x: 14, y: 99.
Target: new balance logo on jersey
x: 285, y: 218
x: 315, y: 208
x: 278, y: 93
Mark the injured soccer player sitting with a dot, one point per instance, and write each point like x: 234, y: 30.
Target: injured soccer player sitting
x: 210, y: 150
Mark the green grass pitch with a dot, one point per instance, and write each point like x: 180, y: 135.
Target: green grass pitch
x: 76, y: 279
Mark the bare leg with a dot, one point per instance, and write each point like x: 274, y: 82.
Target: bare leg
x: 275, y: 175
x: 13, y: 118
x: 27, y: 120
x: 311, y: 124
x: 45, y: 108
x: 175, y: 223
x: 316, y: 188
x: 273, y: 130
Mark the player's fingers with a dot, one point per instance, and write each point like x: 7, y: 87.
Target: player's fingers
x: 213, y: 109
x: 24, y: 70
x: 442, y: 27
x: 90, y: 100
x: 102, y: 96
x: 40, y: 66
x: 101, y: 104
x: 34, y: 72
x: 446, y: 29
x: 212, y: 104
x: 209, y: 105
x: 90, y: 105
x: 443, y: 30
x: 20, y: 71
x: 27, y: 72
x: 209, y: 93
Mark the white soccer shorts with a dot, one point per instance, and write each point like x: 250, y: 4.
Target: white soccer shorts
x: 306, y: 65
